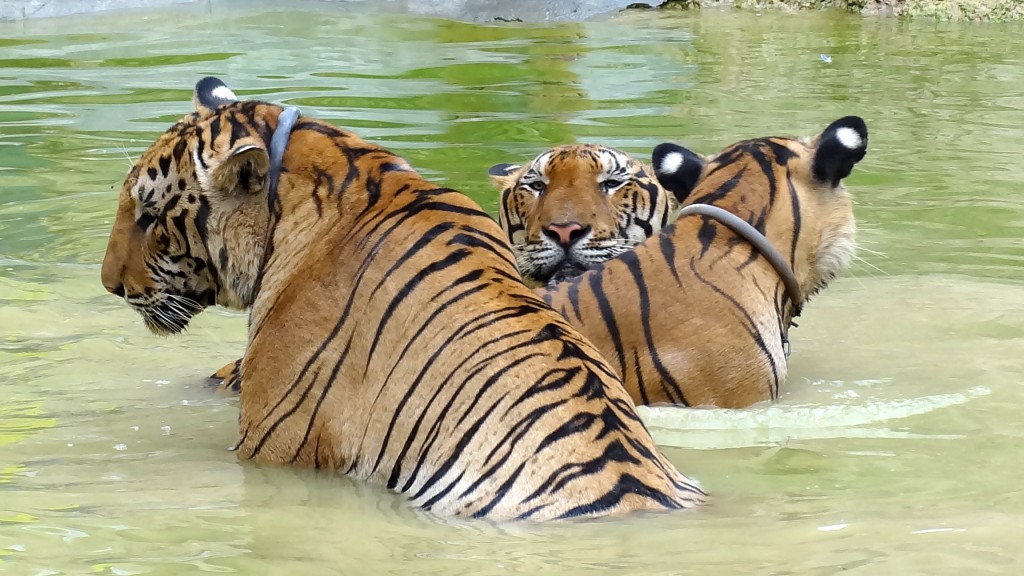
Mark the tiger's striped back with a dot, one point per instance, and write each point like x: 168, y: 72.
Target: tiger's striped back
x: 391, y: 337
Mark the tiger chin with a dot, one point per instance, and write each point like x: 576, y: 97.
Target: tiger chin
x: 696, y: 314
x: 575, y: 206
x: 391, y: 337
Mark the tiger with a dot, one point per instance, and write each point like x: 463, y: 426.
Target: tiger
x: 575, y: 206
x: 697, y: 314
x: 391, y: 337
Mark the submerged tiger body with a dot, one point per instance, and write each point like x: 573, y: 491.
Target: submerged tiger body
x: 696, y: 315
x: 575, y: 206
x: 391, y: 337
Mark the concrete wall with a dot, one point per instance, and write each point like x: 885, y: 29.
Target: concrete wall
x: 468, y: 10
x: 19, y: 9
x: 533, y: 10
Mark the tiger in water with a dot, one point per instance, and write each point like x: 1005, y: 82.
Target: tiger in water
x: 391, y: 337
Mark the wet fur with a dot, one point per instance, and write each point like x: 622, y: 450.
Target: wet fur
x: 391, y: 337
x: 696, y: 316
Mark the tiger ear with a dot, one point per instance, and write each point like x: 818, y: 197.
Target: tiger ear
x: 678, y: 169
x: 243, y: 169
x: 504, y: 176
x: 839, y: 148
x: 210, y: 93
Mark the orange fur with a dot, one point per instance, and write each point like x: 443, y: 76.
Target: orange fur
x: 694, y: 315
x: 391, y: 337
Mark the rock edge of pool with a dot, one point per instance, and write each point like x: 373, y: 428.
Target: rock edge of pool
x: 548, y: 10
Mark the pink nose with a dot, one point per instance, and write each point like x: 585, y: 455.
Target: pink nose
x: 565, y: 234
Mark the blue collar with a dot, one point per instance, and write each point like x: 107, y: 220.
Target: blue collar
x: 278, y: 142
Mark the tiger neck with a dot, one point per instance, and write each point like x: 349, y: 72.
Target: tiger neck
x: 718, y: 245
x: 323, y: 202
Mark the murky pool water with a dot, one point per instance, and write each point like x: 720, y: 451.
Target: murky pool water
x: 896, y: 448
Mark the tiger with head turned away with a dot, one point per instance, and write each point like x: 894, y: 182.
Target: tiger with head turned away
x: 575, y: 206
x: 391, y: 337
x: 699, y: 313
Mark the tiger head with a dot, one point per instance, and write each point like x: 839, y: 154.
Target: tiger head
x: 789, y: 189
x: 575, y: 206
x: 169, y: 255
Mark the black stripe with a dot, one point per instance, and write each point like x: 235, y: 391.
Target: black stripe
x: 439, y: 350
x: 238, y: 129
x: 319, y: 402
x: 464, y: 330
x: 200, y: 148
x: 343, y: 318
x: 794, y: 200
x: 467, y: 436
x: 573, y: 293
x: 452, y: 259
x: 488, y: 243
x: 627, y: 484
x: 751, y: 326
x: 423, y: 202
x: 669, y: 383
x: 509, y: 442
x: 639, y: 374
x: 215, y: 131
x: 666, y: 242
x: 433, y: 433
x: 544, y: 385
x: 613, y: 452
x: 608, y: 316
x: 501, y: 492
x: 165, y: 165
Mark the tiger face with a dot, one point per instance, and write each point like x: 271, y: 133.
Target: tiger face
x: 575, y: 206
x: 169, y: 255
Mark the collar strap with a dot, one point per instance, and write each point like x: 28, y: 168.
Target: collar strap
x: 759, y: 242
x: 278, y: 142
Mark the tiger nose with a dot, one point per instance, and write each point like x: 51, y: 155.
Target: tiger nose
x: 115, y: 288
x: 566, y: 233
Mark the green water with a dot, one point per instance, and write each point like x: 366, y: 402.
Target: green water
x: 895, y: 449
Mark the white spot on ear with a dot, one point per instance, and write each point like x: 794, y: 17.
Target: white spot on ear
x: 848, y: 137
x: 671, y: 163
x: 224, y: 93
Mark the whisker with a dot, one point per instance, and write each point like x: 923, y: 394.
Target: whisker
x: 127, y: 156
x: 869, y: 265
x: 872, y: 252
x: 850, y: 274
x: 188, y: 304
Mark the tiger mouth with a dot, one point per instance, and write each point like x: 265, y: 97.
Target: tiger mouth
x: 565, y: 269
x: 170, y: 314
